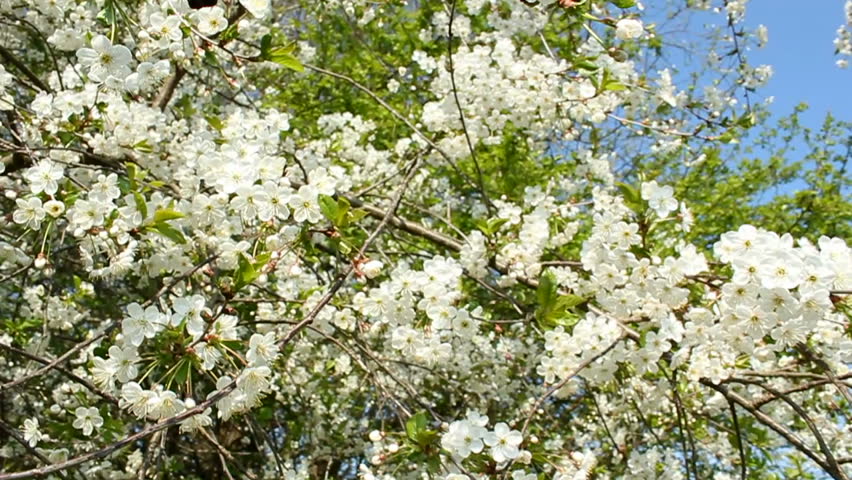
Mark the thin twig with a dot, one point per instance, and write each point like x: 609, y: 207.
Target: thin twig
x: 452, y: 72
x: 739, y: 435
x: 396, y: 114
x: 32, y: 451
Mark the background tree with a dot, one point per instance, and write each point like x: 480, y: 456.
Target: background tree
x: 482, y: 239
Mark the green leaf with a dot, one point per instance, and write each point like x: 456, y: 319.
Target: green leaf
x: 565, y: 302
x: 729, y: 136
x: 107, y: 15
x: 183, y: 370
x: 329, y: 208
x: 631, y: 195
x: 283, y: 57
x: 553, y: 308
x: 280, y: 55
x: 132, y: 173
x: 416, y: 425
x: 343, y: 247
x: 491, y: 226
x: 246, y: 273
x: 356, y: 215
x: 265, y: 45
x: 166, y: 214
x: 614, y: 86
x: 566, y: 320
x: 545, y: 296
x: 211, y: 58
x: 623, y: 3
x: 230, y: 33
x: 343, y: 207
x: 586, y: 65
x: 215, y: 122
x: 143, y: 146
x: 169, y: 232
x: 416, y: 430
x: 141, y: 205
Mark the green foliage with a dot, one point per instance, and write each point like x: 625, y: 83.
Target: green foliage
x: 554, y: 309
x: 279, y: 54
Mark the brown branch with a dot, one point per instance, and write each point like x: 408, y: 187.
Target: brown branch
x: 772, y: 424
x: 452, y: 71
x: 553, y: 389
x: 82, y: 381
x: 798, y: 388
x: 413, y: 228
x: 168, y: 89
x: 13, y: 60
x: 826, y: 451
x: 32, y: 451
x: 344, y: 276
x: 59, y: 360
x: 740, y: 446
x: 150, y: 430
x: 399, y: 116
x: 109, y: 328
x: 371, y: 373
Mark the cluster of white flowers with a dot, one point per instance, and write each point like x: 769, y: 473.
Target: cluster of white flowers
x: 471, y: 435
x: 843, y: 42
x: 175, y: 240
x: 498, y: 85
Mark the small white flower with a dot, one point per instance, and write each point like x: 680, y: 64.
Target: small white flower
x: 196, y: 421
x: 147, y: 75
x: 54, y: 208
x: 628, y: 28
x: 44, y: 177
x: 125, y: 360
x: 29, y: 212
x: 660, y: 199
x: 262, y: 349
x: 305, y: 205
x: 104, y: 59
x: 211, y: 20
x: 504, y: 442
x: 141, y: 324
x: 166, y: 27
x: 254, y: 381
x: 258, y: 8
x: 32, y: 435
x: 87, y: 419
x: 372, y: 268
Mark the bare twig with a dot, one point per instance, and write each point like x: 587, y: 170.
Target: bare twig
x: 452, y: 72
x: 739, y: 435
x: 82, y: 381
x: 20, y: 439
x: 398, y: 115
x: 774, y: 426
x: 13, y: 60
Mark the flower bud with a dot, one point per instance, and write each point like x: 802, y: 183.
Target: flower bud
x: 40, y: 261
x: 372, y: 269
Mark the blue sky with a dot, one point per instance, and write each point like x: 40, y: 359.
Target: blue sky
x: 801, y: 51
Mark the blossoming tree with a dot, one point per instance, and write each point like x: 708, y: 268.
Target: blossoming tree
x: 450, y: 239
